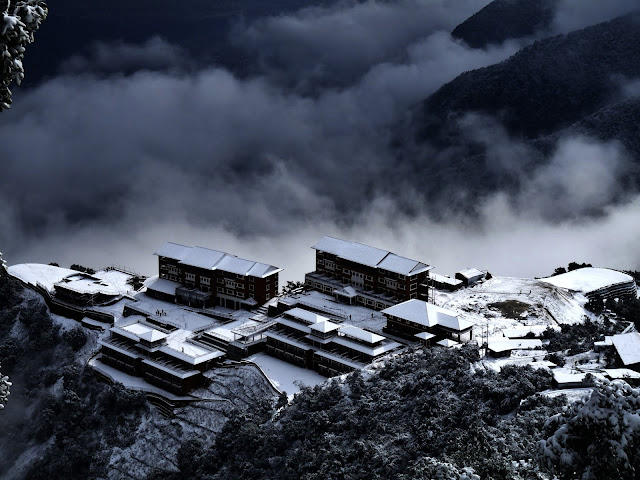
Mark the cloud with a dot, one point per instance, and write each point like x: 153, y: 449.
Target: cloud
x: 334, y: 45
x: 154, y: 54
x: 102, y: 168
x: 577, y: 14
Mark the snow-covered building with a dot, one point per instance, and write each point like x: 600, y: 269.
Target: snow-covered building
x: 201, y: 277
x: 470, y: 276
x: 416, y: 316
x: 502, y: 347
x: 359, y: 274
x: 444, y: 282
x: 313, y: 341
x: 627, y: 347
x: 595, y: 283
x: 160, y: 354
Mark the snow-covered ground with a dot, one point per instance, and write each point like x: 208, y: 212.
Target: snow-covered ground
x: 588, y: 279
x: 285, y: 376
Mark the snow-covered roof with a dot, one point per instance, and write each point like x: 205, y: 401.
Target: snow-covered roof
x: 424, y: 335
x: 145, y: 332
x: 339, y: 359
x: 209, y: 259
x: 36, y: 273
x: 348, y: 292
x: 621, y: 373
x: 444, y: 279
x: 192, y: 354
x: 470, y: 273
x: 360, y: 334
x: 324, y: 327
x: 162, y: 285
x: 373, y: 350
x: 370, y: 256
x: 588, y: 279
x: 520, y: 344
x: 628, y: 347
x: 447, y: 342
x: 426, y: 314
x: 202, y: 257
x: 305, y: 315
x: 173, y: 250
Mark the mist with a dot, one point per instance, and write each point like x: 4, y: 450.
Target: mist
x: 132, y: 145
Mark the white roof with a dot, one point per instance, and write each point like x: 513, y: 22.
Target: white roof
x: 621, y: 373
x: 192, y: 354
x: 305, y: 315
x: 447, y: 342
x: 324, y: 327
x: 588, y: 279
x: 145, y: 332
x: 346, y: 292
x: 370, y: 256
x: 471, y: 273
x: 424, y: 335
x: 206, y: 258
x: 374, y: 351
x: 36, y: 273
x: 360, y: 334
x: 202, y: 257
x: 426, y: 314
x: 520, y: 344
x: 628, y: 347
x: 173, y: 250
x: 162, y: 285
x: 444, y: 279
x: 175, y: 371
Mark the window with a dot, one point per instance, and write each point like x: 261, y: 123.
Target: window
x: 239, y: 294
x: 241, y: 277
x: 413, y: 295
x: 320, y: 261
x: 190, y: 277
x: 401, y: 277
x: 368, y: 277
x: 229, y: 283
x: 402, y: 287
x: 205, y: 288
x: 414, y: 286
x: 221, y: 290
x: 251, y: 288
x: 221, y: 280
x: 205, y: 280
x: 268, y: 287
x: 229, y: 292
x: 346, y: 270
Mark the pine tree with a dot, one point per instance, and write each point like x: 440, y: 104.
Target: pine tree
x: 20, y: 19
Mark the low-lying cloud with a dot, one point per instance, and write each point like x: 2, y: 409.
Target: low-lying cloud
x: 101, y: 168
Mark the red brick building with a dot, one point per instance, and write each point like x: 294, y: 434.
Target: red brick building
x: 202, y: 277
x: 364, y: 275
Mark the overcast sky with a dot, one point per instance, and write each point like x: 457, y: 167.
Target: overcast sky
x: 131, y: 145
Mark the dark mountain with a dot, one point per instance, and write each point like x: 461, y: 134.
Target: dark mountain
x: 545, y: 87
x: 505, y: 19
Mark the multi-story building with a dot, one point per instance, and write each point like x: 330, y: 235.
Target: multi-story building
x: 364, y: 275
x: 202, y: 277
x: 312, y: 341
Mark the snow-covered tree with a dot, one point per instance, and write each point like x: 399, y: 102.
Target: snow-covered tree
x: 20, y: 19
x: 3, y: 265
x: 598, y: 436
x: 4, y: 390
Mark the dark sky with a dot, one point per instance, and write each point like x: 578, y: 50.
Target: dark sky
x: 257, y: 128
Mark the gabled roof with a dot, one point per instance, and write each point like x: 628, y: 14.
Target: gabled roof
x: 305, y: 315
x: 370, y: 256
x: 427, y: 314
x: 360, y: 334
x: 209, y: 259
x: 628, y: 347
x: 588, y: 279
x: 325, y: 326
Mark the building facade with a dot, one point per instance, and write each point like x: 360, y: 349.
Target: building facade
x: 312, y: 341
x: 359, y: 274
x: 201, y: 277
